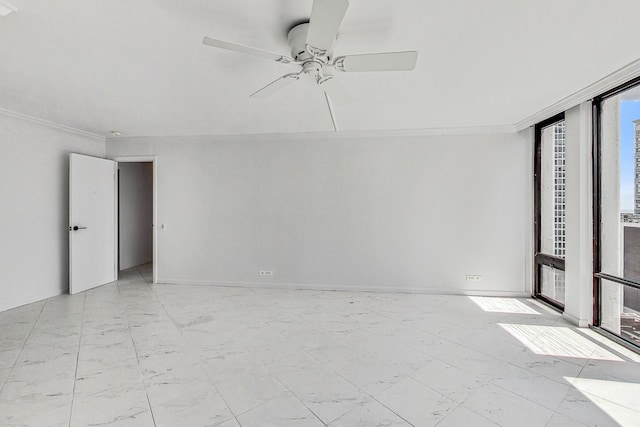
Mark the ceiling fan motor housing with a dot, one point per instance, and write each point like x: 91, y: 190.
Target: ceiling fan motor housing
x: 298, y: 45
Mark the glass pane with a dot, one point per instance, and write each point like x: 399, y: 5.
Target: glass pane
x: 620, y: 205
x: 621, y: 310
x: 552, y: 192
x: 552, y: 283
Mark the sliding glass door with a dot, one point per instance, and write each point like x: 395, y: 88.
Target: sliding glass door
x: 617, y: 211
x: 550, y: 210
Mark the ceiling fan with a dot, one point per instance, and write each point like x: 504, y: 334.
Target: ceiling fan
x: 311, y: 45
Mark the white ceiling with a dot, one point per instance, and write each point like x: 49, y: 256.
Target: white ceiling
x: 139, y: 66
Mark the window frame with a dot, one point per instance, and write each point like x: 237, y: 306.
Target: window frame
x: 540, y: 258
x: 598, y: 275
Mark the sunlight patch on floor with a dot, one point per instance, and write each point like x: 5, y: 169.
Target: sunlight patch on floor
x: 557, y: 341
x: 618, y: 399
x: 503, y: 305
x: 611, y: 345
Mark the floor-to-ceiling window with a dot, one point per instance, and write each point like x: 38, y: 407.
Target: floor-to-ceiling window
x: 617, y: 211
x: 550, y: 210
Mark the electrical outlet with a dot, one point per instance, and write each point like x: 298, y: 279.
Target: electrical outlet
x: 474, y: 278
x: 266, y: 273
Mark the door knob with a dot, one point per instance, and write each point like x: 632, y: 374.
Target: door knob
x: 76, y: 228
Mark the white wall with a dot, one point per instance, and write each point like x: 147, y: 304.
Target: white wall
x: 34, y: 209
x: 396, y: 213
x: 579, y: 216
x: 135, y: 214
x: 611, y: 227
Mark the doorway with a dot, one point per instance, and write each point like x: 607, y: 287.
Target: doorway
x: 136, y: 208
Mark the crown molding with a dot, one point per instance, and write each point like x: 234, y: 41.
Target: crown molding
x: 476, y: 130
x: 618, y: 77
x: 51, y: 125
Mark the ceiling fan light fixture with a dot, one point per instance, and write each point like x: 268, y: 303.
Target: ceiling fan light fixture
x: 6, y: 8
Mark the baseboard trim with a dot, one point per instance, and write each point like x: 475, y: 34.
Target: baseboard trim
x: 582, y: 323
x: 346, y: 288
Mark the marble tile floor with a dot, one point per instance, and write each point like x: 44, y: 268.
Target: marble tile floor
x: 136, y: 354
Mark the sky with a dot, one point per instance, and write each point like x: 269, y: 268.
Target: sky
x: 629, y: 111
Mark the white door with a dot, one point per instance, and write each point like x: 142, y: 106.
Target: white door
x: 92, y: 222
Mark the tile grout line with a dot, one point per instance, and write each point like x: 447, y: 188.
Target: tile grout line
x: 461, y: 403
x: 422, y: 345
x: 475, y: 412
x: 75, y: 376
x: 334, y: 371
x: 373, y: 397
x: 451, y: 412
x: 276, y: 378
x: 135, y: 350
x: 393, y: 412
x: 571, y: 387
x: 155, y: 296
x: 295, y: 396
x: 233, y: 414
x: 586, y: 392
x: 142, y: 275
x: 553, y: 411
x: 324, y: 366
x: 408, y: 344
x: 490, y: 382
x: 616, y: 352
x: 470, y: 373
x: 24, y: 344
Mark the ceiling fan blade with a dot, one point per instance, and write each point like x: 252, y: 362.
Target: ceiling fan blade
x: 390, y: 61
x: 326, y: 17
x: 248, y: 50
x: 275, y: 86
x: 336, y: 90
